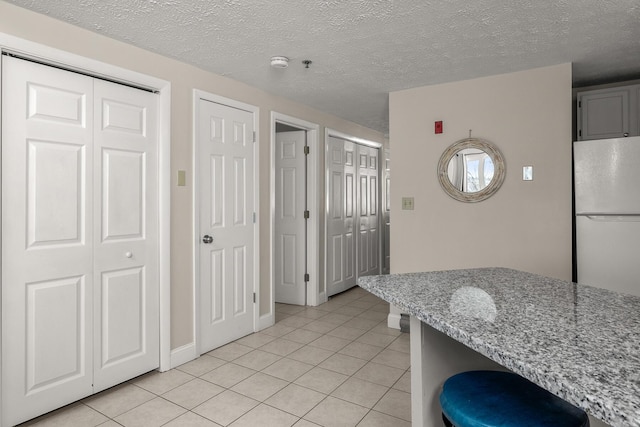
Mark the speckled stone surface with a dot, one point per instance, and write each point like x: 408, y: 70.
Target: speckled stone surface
x: 579, y: 342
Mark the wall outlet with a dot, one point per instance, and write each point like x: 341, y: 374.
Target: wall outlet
x: 527, y: 173
x: 407, y: 203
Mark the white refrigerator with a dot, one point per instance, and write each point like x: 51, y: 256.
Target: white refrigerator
x: 607, y: 206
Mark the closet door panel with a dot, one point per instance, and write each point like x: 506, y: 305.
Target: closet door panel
x: 47, y: 221
x: 353, y: 207
x: 342, y: 209
x: 369, y: 243
x: 79, y: 245
x: 126, y: 334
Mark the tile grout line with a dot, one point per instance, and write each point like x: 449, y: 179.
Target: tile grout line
x: 338, y: 318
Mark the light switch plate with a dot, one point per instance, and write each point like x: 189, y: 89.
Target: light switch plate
x: 182, y: 178
x: 527, y: 173
x: 407, y: 203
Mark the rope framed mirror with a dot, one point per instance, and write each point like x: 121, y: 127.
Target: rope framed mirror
x: 471, y: 170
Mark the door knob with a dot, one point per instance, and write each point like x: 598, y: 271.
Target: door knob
x: 128, y: 254
x: 207, y: 239
x: 626, y: 134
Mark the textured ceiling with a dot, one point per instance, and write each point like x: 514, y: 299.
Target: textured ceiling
x: 364, y: 49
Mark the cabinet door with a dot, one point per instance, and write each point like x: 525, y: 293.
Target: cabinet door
x: 604, y: 114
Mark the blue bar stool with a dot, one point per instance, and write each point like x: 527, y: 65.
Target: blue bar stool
x: 494, y: 398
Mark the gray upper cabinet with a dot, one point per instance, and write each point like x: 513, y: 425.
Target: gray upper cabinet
x: 609, y: 113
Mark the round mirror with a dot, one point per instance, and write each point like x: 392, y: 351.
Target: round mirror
x: 471, y: 170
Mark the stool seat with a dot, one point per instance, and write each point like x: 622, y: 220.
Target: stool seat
x: 494, y: 398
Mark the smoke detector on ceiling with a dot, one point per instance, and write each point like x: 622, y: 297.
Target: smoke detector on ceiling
x: 279, y: 61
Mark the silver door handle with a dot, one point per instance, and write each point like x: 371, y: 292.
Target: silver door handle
x: 207, y: 239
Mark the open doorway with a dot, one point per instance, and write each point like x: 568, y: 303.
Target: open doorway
x: 294, y: 202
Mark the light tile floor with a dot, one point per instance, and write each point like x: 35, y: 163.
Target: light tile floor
x: 333, y: 365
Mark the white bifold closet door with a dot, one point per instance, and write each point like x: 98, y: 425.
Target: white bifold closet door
x: 79, y: 237
x: 386, y: 212
x: 353, y: 224
x: 368, y: 247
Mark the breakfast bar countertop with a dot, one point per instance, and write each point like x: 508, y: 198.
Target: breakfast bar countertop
x: 579, y: 342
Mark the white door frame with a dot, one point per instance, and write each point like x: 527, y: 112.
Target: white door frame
x: 206, y: 96
x: 314, y: 296
x: 337, y: 134
x: 66, y: 60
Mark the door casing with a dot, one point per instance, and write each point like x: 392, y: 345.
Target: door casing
x: 257, y: 322
x: 47, y: 55
x: 315, y: 295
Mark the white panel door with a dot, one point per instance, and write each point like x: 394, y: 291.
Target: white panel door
x: 368, y: 207
x: 47, y: 241
x: 126, y: 302
x: 341, y: 215
x: 386, y: 212
x: 79, y: 248
x: 226, y: 168
x: 290, y: 250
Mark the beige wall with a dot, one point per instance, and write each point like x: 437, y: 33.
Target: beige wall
x: 525, y: 225
x: 184, y: 78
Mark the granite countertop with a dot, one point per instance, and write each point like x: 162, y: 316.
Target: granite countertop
x: 579, y: 342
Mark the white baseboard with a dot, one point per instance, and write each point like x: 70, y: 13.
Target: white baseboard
x: 184, y: 354
x: 266, y: 321
x: 393, y: 320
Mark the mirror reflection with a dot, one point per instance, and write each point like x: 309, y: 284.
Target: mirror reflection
x: 470, y: 170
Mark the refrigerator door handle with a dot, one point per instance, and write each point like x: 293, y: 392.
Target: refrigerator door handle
x: 613, y: 218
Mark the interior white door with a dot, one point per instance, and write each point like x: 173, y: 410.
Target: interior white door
x: 353, y: 213
x: 368, y: 247
x: 341, y: 215
x: 290, y: 245
x: 386, y: 212
x: 126, y: 303
x: 47, y: 239
x: 77, y: 185
x: 226, y: 194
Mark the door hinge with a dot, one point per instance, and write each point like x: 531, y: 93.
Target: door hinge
x: 254, y: 297
x: 580, y: 132
x: 254, y: 217
x: 306, y: 277
x: 306, y: 214
x: 579, y: 104
x: 254, y: 136
x: 306, y: 150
